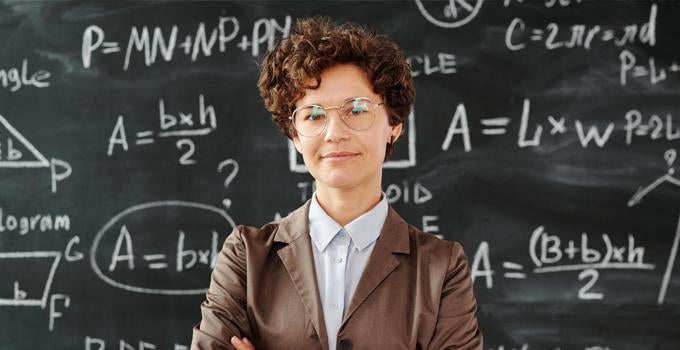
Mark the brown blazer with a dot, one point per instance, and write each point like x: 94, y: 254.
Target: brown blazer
x: 415, y: 293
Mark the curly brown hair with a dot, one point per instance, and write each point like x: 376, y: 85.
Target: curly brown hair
x: 317, y: 43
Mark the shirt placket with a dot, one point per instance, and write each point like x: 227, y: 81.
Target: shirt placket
x: 336, y: 292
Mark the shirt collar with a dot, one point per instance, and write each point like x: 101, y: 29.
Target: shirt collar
x: 363, y: 230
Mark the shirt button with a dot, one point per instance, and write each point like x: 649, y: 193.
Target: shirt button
x: 338, y: 260
x: 334, y: 306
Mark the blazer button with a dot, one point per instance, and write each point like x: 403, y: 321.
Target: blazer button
x: 344, y: 344
x: 315, y: 336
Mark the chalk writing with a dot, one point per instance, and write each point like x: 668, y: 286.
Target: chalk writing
x: 550, y: 254
x: 18, y: 152
x: 14, y: 78
x: 226, y: 202
x: 22, y: 297
x: 629, y: 69
x: 116, y: 255
x: 518, y: 35
x: 670, y: 157
x: 655, y: 128
x: 407, y: 192
x: 452, y: 14
x: 28, y: 294
x: 180, y: 125
x: 33, y: 223
x: 442, y: 63
x: 532, y: 132
x: 94, y: 343
x: 155, y: 43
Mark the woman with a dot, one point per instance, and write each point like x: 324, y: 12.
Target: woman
x: 344, y: 270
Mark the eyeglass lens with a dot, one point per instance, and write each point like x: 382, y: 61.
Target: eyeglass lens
x: 356, y: 113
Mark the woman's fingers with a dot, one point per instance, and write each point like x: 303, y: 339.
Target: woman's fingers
x: 241, y: 344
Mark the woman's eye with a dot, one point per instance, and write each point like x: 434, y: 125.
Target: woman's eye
x: 358, y: 107
x: 358, y: 110
x: 316, y: 113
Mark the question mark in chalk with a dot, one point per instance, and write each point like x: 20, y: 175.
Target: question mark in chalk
x: 227, y: 202
x: 670, y: 156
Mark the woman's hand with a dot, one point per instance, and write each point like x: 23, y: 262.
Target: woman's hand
x: 241, y: 344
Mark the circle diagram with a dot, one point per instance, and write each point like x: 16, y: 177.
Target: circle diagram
x: 451, y: 13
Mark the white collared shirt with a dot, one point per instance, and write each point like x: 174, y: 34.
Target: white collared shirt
x: 340, y: 256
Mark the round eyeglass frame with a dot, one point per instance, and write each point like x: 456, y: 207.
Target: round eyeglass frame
x: 326, y: 109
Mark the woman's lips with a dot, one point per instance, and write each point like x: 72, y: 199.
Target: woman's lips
x: 340, y: 156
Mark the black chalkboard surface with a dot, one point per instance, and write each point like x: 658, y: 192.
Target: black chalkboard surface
x: 544, y: 138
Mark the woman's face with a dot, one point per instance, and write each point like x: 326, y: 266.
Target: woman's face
x: 362, y: 166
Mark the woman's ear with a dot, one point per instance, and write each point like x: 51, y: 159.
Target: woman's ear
x: 396, y: 132
x: 296, y: 142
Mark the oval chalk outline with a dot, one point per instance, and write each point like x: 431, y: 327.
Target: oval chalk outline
x: 139, y: 207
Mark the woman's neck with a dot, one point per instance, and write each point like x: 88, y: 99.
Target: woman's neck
x: 345, y: 205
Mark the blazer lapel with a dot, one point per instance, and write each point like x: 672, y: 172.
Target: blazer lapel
x: 298, y: 260
x: 393, y: 238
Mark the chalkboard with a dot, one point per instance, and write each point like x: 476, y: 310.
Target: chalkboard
x: 543, y: 138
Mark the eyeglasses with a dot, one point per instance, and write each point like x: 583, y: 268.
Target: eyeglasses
x: 357, y: 113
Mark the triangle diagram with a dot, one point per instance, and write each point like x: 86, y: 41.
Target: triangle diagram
x: 16, y: 151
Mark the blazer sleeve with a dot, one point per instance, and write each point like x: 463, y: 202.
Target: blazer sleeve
x: 456, y: 326
x: 223, y: 312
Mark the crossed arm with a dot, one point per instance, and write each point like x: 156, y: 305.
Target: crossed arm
x: 457, y: 326
x: 224, y: 310
x: 224, y: 316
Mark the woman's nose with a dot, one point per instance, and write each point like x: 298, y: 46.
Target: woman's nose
x: 336, y: 129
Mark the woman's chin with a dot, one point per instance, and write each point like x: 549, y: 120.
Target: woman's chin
x: 341, y: 182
